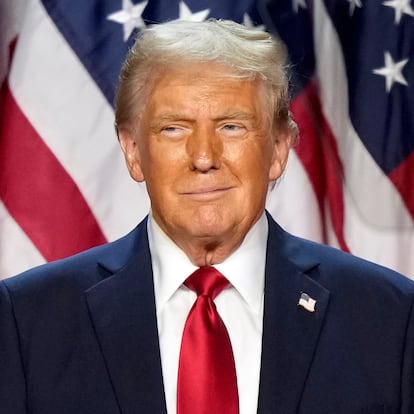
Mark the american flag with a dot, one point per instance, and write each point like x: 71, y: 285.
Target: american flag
x: 349, y: 183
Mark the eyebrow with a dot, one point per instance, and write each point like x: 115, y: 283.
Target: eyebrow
x: 229, y: 114
x: 246, y: 116
x: 176, y: 116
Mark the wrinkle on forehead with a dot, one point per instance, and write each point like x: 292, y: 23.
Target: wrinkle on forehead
x: 202, y: 89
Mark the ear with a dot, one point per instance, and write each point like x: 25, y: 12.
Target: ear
x: 129, y: 145
x: 281, y: 147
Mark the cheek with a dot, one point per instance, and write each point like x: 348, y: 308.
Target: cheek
x: 160, y: 160
x: 164, y: 175
x: 253, y: 160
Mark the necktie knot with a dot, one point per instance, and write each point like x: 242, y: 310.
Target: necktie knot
x: 206, y: 281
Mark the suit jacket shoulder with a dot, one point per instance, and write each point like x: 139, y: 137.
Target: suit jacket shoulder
x: 349, y: 347
x: 79, y: 335
x: 332, y: 267
x: 81, y: 270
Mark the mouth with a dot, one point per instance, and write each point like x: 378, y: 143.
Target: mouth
x: 207, y: 193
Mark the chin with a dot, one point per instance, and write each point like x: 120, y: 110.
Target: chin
x: 215, y: 231
x: 206, y: 229
x: 210, y: 219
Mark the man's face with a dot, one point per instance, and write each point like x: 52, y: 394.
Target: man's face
x: 204, y: 147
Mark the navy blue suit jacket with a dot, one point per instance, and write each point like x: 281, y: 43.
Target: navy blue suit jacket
x: 79, y: 336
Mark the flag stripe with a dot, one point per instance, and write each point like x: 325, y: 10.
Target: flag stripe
x: 17, y: 252
x: 372, y: 227
x: 319, y: 154
x: 38, y: 192
x: 403, y: 179
x: 376, y: 206
x: 302, y: 219
x: 378, y: 116
x: 71, y: 115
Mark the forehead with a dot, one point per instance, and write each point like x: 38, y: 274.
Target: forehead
x: 204, y: 85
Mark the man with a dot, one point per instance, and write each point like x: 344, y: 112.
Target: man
x: 202, y: 117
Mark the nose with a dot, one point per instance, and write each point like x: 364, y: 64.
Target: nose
x: 204, y: 149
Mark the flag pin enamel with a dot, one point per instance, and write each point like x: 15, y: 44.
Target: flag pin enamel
x: 307, y: 302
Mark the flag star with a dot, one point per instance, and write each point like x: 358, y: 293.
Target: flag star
x: 392, y: 71
x: 248, y: 22
x: 130, y: 16
x: 297, y: 4
x: 401, y: 7
x: 187, y: 14
x: 352, y: 5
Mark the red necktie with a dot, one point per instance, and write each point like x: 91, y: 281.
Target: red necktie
x: 207, y: 382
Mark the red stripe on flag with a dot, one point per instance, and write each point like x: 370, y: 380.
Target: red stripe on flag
x: 403, y: 179
x: 319, y: 155
x: 38, y: 193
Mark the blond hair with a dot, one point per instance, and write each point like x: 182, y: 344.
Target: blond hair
x: 250, y: 53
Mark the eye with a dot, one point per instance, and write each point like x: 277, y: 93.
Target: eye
x: 169, y: 129
x: 231, y: 127
x: 173, y: 131
x: 233, y: 130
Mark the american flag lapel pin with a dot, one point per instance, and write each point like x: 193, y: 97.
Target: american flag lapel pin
x: 307, y: 302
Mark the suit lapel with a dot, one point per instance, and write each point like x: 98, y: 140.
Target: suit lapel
x: 290, y: 333
x: 122, y: 309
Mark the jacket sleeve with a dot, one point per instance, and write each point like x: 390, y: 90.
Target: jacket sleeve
x: 12, y: 379
x: 407, y: 382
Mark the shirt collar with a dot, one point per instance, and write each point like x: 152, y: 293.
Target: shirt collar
x: 244, y: 268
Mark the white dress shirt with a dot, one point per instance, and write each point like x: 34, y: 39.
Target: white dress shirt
x: 240, y: 306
